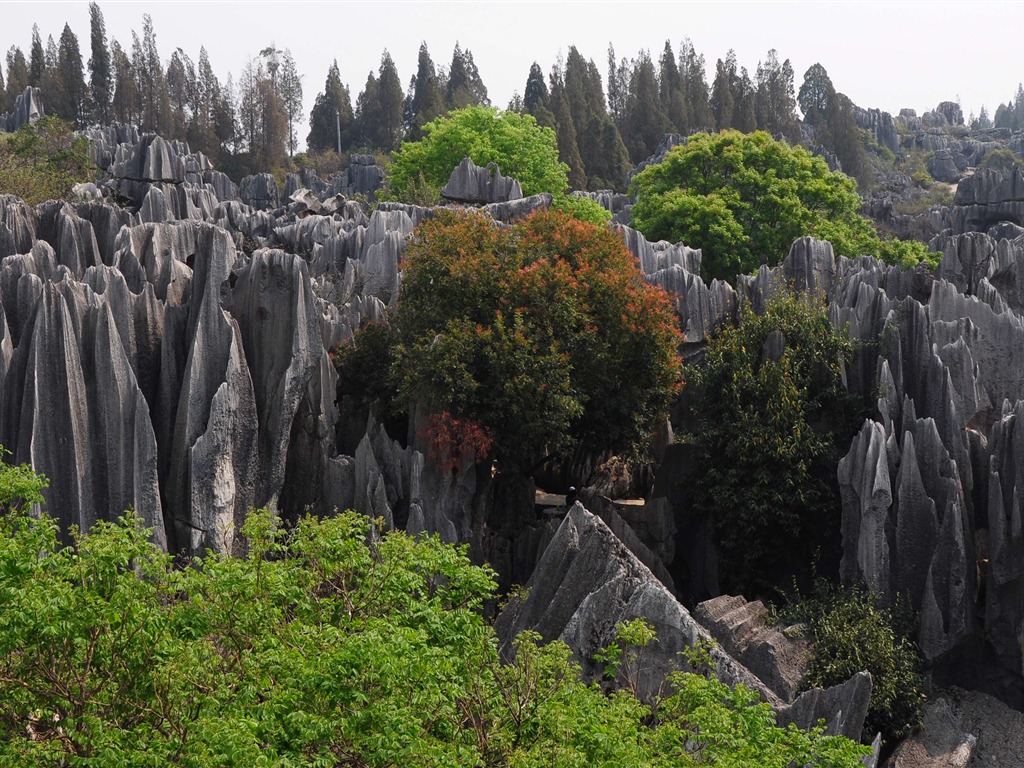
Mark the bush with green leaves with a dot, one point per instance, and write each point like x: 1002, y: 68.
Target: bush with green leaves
x: 521, y: 148
x: 852, y: 632
x: 744, y: 198
x: 42, y: 161
x: 768, y: 439
x: 323, y: 646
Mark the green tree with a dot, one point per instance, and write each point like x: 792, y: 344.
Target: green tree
x: 426, y: 102
x: 37, y: 59
x: 516, y: 143
x: 463, y: 86
x: 100, y: 71
x: 541, y: 336
x: 816, y: 94
x: 744, y: 199
x: 323, y: 646
x: 42, y: 161
x: 774, y: 103
x: 17, y: 75
x: 773, y: 413
x: 332, y: 105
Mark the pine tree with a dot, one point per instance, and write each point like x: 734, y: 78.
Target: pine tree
x: 568, y: 149
x: 645, y: 121
x: 125, y: 102
x: 775, y: 107
x: 70, y: 78
x: 694, y: 84
x: 100, y: 75
x: 389, y: 97
x: 723, y: 101
x: 181, y: 87
x: 426, y: 101
x: 290, y: 88
x: 37, y: 59
x: 3, y: 93
x: 17, y: 75
x: 332, y: 105
x: 816, y: 94
x: 367, y: 115
x: 670, y: 86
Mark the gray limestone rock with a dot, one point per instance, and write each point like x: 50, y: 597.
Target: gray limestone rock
x: 587, y: 582
x: 469, y: 183
x: 741, y: 628
x: 259, y: 191
x: 28, y: 107
x: 963, y: 728
x: 272, y: 302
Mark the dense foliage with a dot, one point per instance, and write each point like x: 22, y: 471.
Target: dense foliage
x: 767, y: 443
x: 851, y: 632
x: 542, y: 334
x: 521, y: 148
x: 744, y: 198
x: 42, y: 161
x: 325, y: 646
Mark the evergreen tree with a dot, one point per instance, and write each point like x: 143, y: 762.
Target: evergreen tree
x: 290, y: 89
x: 426, y: 101
x: 3, y: 92
x: 816, y: 94
x: 100, y: 75
x: 37, y: 59
x: 671, y: 91
x: 843, y: 137
x: 775, y: 107
x: 645, y: 121
x: 389, y: 97
x: 70, y: 79
x: 694, y: 84
x: 17, y: 75
x: 125, y: 103
x: 565, y: 130
x: 367, y: 114
x: 323, y: 120
x: 150, y: 78
x: 536, y: 100
x: 464, y: 88
x: 984, y: 122
x: 745, y: 96
x: 181, y: 87
x: 723, y: 100
x: 618, y: 88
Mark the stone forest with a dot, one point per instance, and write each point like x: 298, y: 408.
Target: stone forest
x: 648, y: 425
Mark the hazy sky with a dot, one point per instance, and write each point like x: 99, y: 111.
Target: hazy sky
x: 881, y: 54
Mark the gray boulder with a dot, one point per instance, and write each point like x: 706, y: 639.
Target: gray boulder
x: 469, y: 183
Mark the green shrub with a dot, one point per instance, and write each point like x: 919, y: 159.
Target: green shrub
x: 768, y: 441
x: 322, y: 646
x: 744, y: 198
x: 42, y: 161
x: 851, y: 633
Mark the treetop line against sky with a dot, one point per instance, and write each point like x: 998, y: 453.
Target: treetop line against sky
x: 888, y: 55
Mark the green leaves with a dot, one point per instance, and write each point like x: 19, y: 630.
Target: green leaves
x: 766, y: 443
x: 543, y: 334
x: 42, y: 161
x: 519, y: 146
x: 324, y: 646
x: 744, y: 198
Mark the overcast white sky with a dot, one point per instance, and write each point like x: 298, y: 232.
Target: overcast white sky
x: 882, y: 54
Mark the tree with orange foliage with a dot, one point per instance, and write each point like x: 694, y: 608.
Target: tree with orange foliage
x: 534, y: 338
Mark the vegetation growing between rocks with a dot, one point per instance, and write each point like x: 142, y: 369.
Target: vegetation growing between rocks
x: 851, y: 632
x: 322, y: 646
x: 543, y: 335
x: 774, y: 414
x: 42, y: 161
x: 744, y: 198
x: 521, y: 148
